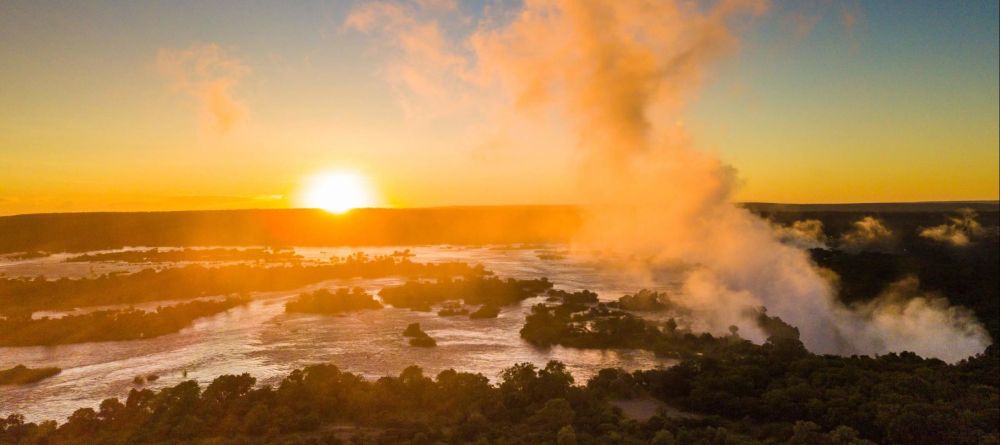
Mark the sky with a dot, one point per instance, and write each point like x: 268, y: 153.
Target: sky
x: 238, y: 104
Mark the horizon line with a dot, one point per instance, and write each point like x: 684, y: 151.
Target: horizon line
x: 469, y: 206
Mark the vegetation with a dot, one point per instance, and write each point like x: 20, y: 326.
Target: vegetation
x: 776, y: 393
x: 578, y: 297
x: 20, y: 256
x: 648, y: 301
x: 413, y: 330
x: 142, y: 380
x: 724, y: 390
x: 894, y: 399
x: 485, y: 311
x: 23, y: 295
x: 452, y: 310
x: 592, y: 327
x: 20, y: 375
x: 189, y: 254
x: 472, y: 289
x: 324, y: 302
x: 550, y: 255
x: 109, y: 325
x: 423, y: 341
x: 418, y: 337
x: 969, y: 275
x: 578, y: 321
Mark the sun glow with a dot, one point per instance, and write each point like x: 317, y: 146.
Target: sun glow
x: 338, y: 192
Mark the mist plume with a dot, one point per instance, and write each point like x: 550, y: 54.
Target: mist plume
x: 622, y: 73
x: 899, y: 320
x: 806, y: 234
x: 867, y: 234
x: 959, y: 231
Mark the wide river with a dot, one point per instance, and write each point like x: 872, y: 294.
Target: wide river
x: 264, y: 341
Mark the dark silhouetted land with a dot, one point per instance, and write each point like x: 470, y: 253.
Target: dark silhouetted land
x: 22, y: 375
x: 78, y: 232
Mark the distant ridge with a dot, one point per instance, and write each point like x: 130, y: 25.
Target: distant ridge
x: 878, y: 207
x: 74, y: 232
x: 909, y: 206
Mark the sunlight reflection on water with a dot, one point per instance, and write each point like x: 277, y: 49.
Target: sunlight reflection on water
x: 261, y: 339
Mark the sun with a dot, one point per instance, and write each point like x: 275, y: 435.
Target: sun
x: 338, y: 192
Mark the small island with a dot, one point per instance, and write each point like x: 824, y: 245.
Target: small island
x: 579, y: 320
x: 189, y: 254
x: 109, y: 325
x: 547, y: 255
x: 486, y: 311
x: 22, y: 375
x: 649, y: 301
x: 324, y: 302
x: 452, y: 310
x: 21, y: 256
x: 471, y: 289
x: 142, y: 380
x: 418, y: 337
x: 22, y: 295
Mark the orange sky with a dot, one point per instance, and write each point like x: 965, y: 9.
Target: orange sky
x: 157, y: 107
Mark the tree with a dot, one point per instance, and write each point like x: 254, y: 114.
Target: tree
x: 663, y: 437
x: 554, y: 414
x: 671, y: 325
x: 566, y: 436
x: 807, y: 433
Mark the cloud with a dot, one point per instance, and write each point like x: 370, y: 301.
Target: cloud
x: 439, y: 5
x: 424, y: 65
x: 961, y: 229
x: 805, y: 234
x: 867, y: 234
x: 849, y: 19
x: 801, y: 24
x: 206, y: 73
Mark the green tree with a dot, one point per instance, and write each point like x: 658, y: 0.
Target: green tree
x: 566, y: 436
x: 663, y: 437
x: 554, y: 414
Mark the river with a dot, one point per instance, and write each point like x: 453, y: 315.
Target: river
x: 264, y: 341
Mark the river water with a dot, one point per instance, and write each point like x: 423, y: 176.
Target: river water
x: 264, y: 341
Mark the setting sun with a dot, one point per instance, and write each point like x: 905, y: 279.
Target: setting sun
x: 338, y: 192
x: 564, y: 222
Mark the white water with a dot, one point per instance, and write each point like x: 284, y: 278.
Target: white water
x: 261, y: 339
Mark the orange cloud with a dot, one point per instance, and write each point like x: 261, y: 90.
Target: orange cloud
x: 208, y: 74
x: 425, y: 65
x: 868, y: 233
x: 960, y: 231
x: 801, y: 24
x: 849, y: 19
